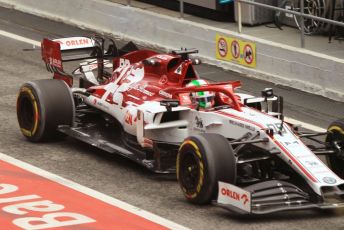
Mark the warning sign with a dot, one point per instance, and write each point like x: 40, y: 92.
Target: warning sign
x: 241, y: 52
x: 222, y: 47
x: 235, y: 49
x: 248, y: 54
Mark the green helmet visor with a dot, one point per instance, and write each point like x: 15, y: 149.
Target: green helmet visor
x: 205, y: 102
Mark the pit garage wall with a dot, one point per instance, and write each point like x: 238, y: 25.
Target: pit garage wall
x: 281, y: 64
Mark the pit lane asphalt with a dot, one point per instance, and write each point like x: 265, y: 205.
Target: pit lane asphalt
x: 119, y: 177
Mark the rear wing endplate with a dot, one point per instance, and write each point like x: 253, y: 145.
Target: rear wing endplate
x: 57, y: 51
x: 51, y: 55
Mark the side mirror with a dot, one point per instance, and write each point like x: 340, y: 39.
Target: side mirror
x: 267, y: 93
x: 169, y: 104
x: 184, y: 53
x: 276, y: 107
x: 254, y: 102
x: 272, y: 105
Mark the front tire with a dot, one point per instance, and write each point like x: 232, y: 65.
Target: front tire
x: 42, y: 105
x: 202, y: 161
x: 336, y: 138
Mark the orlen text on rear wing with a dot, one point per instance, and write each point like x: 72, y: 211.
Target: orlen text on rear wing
x: 57, y: 51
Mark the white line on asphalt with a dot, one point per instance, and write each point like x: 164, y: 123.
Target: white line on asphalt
x: 90, y: 192
x: 36, y: 43
x: 20, y: 38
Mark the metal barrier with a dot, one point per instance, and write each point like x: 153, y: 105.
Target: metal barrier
x: 300, y: 14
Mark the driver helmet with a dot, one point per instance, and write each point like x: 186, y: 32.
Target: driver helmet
x: 204, y: 99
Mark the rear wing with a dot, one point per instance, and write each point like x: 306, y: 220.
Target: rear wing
x: 78, y: 48
x: 57, y: 51
x: 75, y: 43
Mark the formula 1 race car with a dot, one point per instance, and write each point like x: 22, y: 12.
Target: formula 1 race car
x: 232, y: 149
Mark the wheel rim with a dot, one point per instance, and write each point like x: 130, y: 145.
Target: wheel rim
x: 314, y: 8
x: 190, y: 172
x: 26, y: 113
x: 336, y: 138
x: 336, y: 162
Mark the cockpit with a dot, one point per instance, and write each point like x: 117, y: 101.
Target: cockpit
x: 177, y: 71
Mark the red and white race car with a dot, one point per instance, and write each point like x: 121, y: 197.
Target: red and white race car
x: 229, y: 148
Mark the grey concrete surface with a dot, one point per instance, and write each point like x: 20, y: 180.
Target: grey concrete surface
x: 288, y: 35
x: 119, y: 177
x: 282, y: 64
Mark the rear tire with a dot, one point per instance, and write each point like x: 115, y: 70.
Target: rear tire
x: 42, y: 105
x: 202, y: 161
x: 336, y: 136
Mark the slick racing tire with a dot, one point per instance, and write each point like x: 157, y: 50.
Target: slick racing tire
x: 202, y: 161
x: 42, y: 105
x: 335, y: 139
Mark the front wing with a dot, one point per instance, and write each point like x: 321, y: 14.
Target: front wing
x: 271, y: 196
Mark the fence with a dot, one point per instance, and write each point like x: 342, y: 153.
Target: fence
x: 301, y: 14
